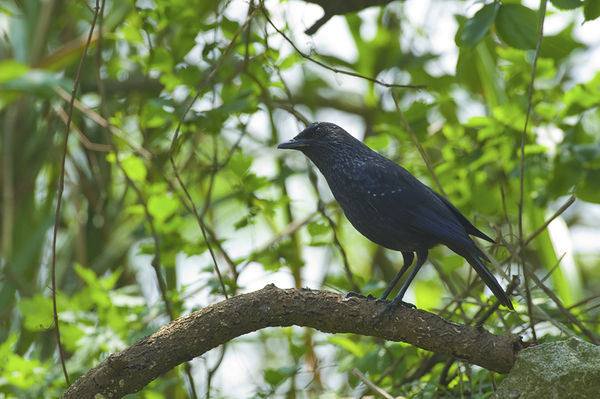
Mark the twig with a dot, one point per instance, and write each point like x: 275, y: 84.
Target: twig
x: 559, y: 212
x: 82, y: 137
x: 61, y: 185
x: 333, y: 69
x: 338, y: 244
x: 208, y: 78
x: 149, y: 218
x: 562, y: 309
x: 522, y: 162
x: 103, y: 122
x: 210, y: 372
x: 155, y: 239
x: 370, y: 384
x: 547, y: 276
x: 415, y: 141
x: 321, y: 208
x: 505, y: 210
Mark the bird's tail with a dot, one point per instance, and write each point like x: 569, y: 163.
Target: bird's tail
x: 488, y: 278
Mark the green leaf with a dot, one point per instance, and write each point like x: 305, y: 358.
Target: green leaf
x: 317, y: 228
x: 229, y: 27
x: 378, y: 142
x: 318, y: 233
x: 588, y: 153
x: 38, y: 82
x: 289, y: 61
x: 477, y: 27
x: 561, y: 45
x: 243, y: 102
x: 37, y: 312
x: 162, y: 206
x: 134, y: 168
x: 566, y: 4
x: 276, y: 377
x: 21, y: 372
x: 579, y: 99
x: 588, y: 188
x: 591, y: 9
x: 240, y: 163
x: 11, y: 69
x: 358, y: 349
x: 517, y: 26
x: 86, y: 275
x: 545, y: 110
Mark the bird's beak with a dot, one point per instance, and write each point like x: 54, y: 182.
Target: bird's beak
x: 293, y: 144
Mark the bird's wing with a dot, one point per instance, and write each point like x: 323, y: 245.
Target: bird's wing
x: 407, y: 202
x: 463, y: 220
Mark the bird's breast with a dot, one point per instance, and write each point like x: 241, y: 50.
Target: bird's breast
x: 376, y: 214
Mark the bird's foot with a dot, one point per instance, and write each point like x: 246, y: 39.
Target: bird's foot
x: 353, y: 294
x: 391, y: 307
x: 382, y: 300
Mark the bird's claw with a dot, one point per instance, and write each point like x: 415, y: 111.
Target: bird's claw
x: 391, y: 307
x: 407, y: 305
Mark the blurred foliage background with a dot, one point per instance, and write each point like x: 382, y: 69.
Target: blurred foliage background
x: 148, y: 214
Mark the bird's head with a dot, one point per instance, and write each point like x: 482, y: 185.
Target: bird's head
x: 318, y: 138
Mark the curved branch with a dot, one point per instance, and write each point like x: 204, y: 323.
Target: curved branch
x: 190, y: 336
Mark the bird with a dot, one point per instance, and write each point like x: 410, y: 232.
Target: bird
x: 391, y: 207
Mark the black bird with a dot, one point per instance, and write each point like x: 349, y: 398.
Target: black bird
x: 389, y: 206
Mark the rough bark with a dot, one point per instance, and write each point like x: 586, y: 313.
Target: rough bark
x: 190, y: 336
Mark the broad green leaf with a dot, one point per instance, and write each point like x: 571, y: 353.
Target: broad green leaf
x: 588, y: 188
x: 477, y: 27
x: 289, y: 61
x: 591, y: 9
x: 561, y: 45
x: 545, y: 110
x: 588, y: 153
x: 487, y: 65
x: 132, y: 32
x: 37, y: 311
x: 11, y: 69
x: 162, y: 206
x: 86, y: 275
x: 134, y: 168
x: 21, y: 372
x: 243, y: 102
x: 319, y: 233
x: 229, y: 27
x: 317, y: 228
x: 357, y: 348
x: 579, y: 99
x: 37, y: 82
x: 239, y: 163
x: 517, y: 26
x: 378, y: 142
x: 566, y: 4
x: 276, y: 377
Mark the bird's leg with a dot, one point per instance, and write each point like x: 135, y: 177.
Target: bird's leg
x: 408, y: 260
x: 390, y: 307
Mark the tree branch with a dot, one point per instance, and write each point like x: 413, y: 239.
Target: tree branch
x: 191, y: 336
x: 340, y: 7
